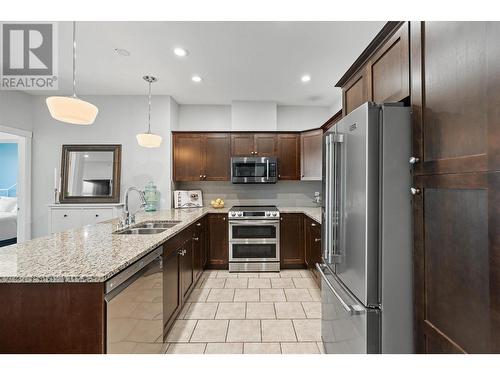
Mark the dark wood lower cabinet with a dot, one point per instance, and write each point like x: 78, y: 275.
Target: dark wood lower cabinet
x: 292, y: 254
x: 199, y: 248
x: 52, y: 318
x: 171, y: 286
x: 218, y: 245
x: 312, y: 245
x: 186, y: 267
x: 457, y: 263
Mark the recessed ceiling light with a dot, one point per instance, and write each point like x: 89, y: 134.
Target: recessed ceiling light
x: 122, y: 52
x: 306, y: 78
x: 196, y: 79
x: 86, y: 155
x: 181, y: 52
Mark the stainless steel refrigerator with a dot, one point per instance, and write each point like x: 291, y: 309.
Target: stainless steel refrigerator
x: 366, y: 272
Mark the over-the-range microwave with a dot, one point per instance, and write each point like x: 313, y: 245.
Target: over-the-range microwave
x: 254, y: 170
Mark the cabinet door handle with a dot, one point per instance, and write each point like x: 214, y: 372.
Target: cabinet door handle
x: 96, y: 215
x: 196, y: 238
x: 201, y: 176
x: 65, y: 215
x: 313, y: 224
x: 414, y: 191
x: 414, y: 160
x: 224, y: 218
x: 205, y: 176
x: 317, y: 239
x: 198, y: 224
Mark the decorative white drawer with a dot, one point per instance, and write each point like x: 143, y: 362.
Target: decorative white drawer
x: 96, y: 215
x: 65, y: 219
x: 70, y: 216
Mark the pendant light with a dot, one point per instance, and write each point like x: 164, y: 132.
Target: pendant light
x: 71, y: 109
x: 149, y: 139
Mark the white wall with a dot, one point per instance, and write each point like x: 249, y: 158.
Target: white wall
x: 253, y: 115
x: 120, y: 118
x: 298, y: 118
x: 15, y: 110
x: 337, y: 104
x: 204, y: 118
x: 218, y: 118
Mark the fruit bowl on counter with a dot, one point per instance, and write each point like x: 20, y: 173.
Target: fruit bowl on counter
x: 218, y: 203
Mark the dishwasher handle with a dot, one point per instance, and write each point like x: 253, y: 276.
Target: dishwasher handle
x: 118, y: 283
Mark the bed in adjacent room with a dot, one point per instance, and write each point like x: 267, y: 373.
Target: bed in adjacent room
x: 8, y: 220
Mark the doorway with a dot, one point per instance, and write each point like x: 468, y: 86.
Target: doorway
x: 15, y: 185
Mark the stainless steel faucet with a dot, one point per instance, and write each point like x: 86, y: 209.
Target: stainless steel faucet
x: 128, y: 217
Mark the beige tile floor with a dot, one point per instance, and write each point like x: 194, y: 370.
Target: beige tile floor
x: 250, y: 313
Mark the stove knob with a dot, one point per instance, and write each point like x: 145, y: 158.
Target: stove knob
x: 275, y: 214
x: 240, y: 214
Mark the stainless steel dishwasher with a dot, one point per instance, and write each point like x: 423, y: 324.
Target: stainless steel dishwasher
x: 134, y: 307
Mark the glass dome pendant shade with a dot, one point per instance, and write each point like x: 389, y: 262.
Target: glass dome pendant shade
x: 71, y: 109
x: 149, y: 139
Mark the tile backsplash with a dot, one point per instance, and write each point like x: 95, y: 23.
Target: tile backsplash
x: 283, y: 193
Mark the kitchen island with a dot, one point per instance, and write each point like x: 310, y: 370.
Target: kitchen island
x: 53, y: 288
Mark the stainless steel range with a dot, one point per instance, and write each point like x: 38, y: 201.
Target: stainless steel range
x: 254, y: 239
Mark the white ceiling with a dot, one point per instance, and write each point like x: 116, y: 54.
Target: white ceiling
x: 237, y: 60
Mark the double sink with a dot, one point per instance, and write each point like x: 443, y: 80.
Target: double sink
x: 148, y: 227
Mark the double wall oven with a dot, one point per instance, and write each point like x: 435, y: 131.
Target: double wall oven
x: 254, y: 239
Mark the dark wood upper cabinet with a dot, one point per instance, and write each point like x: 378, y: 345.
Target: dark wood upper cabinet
x: 188, y: 156
x: 292, y: 253
x: 390, y: 69
x: 253, y: 144
x: 289, y: 156
x: 382, y: 73
x: 242, y: 144
x: 218, y: 245
x: 265, y: 144
x: 356, y: 91
x: 201, y: 156
x: 217, y: 154
x: 456, y: 96
x: 311, y: 156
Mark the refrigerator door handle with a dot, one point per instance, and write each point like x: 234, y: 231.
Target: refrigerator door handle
x: 337, y: 139
x: 350, y: 309
x: 328, y: 202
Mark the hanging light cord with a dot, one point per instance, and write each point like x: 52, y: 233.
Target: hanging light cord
x: 74, y: 59
x: 149, y: 109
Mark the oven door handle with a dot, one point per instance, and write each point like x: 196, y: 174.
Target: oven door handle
x: 255, y: 222
x: 267, y: 169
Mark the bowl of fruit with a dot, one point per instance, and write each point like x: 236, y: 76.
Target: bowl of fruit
x: 218, y: 203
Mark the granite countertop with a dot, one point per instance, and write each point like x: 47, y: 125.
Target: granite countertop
x: 92, y: 253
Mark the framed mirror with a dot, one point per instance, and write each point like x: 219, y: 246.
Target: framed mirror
x: 90, y: 174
